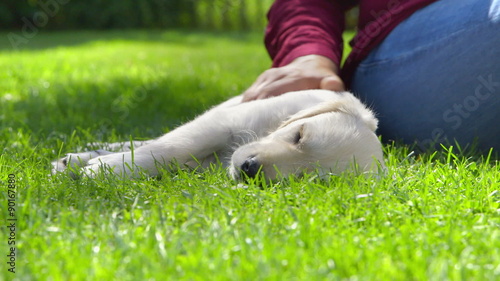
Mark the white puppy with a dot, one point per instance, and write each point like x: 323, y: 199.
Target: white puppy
x: 297, y: 132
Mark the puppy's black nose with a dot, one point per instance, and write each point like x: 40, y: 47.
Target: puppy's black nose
x: 250, y: 167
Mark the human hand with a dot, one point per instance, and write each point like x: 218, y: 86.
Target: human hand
x: 307, y: 72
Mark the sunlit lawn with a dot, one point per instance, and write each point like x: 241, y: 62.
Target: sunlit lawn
x: 431, y: 217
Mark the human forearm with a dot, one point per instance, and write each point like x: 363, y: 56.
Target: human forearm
x: 304, y: 27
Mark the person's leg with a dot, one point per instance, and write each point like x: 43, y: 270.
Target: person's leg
x: 436, y: 77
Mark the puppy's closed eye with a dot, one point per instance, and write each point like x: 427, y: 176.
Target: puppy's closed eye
x: 298, y: 135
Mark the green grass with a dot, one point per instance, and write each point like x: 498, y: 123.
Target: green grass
x: 431, y: 217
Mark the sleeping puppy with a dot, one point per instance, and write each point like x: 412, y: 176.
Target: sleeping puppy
x: 291, y: 134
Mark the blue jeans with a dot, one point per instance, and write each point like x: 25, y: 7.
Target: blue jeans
x: 436, y: 77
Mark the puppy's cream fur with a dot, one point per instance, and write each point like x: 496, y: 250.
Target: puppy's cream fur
x: 297, y: 132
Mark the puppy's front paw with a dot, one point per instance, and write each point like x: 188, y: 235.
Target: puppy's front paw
x: 74, y: 161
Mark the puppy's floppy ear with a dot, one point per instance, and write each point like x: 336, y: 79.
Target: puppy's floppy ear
x: 325, y: 107
x: 346, y: 103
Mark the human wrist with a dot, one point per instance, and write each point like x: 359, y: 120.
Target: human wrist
x: 318, y: 61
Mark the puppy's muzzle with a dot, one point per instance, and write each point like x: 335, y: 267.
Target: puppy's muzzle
x: 250, y: 167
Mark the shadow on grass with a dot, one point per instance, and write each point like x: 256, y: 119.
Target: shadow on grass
x: 120, y: 107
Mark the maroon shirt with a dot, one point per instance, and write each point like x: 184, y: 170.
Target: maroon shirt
x: 304, y: 27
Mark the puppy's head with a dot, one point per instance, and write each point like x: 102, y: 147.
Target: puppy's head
x: 329, y: 138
